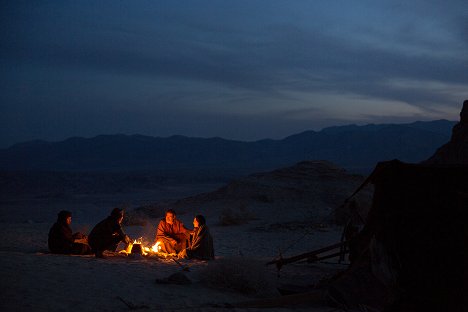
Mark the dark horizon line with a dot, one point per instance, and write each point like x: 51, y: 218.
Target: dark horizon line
x: 214, y: 137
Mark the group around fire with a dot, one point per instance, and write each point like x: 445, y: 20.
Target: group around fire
x: 172, y: 237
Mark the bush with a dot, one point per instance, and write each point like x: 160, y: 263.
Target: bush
x: 230, y: 216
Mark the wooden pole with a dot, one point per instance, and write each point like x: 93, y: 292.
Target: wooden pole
x: 279, y: 263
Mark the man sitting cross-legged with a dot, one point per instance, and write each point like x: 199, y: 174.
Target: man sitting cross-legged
x: 171, y: 234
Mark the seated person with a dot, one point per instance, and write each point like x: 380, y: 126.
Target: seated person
x: 201, y: 246
x: 62, y: 241
x: 108, y: 233
x: 172, y: 234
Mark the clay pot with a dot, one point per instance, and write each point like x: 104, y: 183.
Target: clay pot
x: 136, y: 249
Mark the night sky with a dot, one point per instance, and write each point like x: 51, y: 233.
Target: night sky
x: 242, y: 70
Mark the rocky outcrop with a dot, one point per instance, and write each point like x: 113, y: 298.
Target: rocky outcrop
x: 456, y: 150
x: 309, y: 190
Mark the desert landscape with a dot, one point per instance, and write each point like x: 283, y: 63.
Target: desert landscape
x: 262, y: 218
x: 317, y: 146
x: 252, y: 220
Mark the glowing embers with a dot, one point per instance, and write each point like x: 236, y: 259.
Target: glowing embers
x: 157, y: 250
x: 156, y: 247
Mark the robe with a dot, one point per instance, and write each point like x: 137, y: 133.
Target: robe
x: 62, y: 241
x: 201, y: 246
x: 106, y: 235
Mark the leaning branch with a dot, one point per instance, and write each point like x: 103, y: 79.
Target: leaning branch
x: 311, y: 255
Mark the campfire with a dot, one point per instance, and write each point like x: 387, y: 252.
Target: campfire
x: 156, y: 247
x: 138, y: 248
x: 135, y: 248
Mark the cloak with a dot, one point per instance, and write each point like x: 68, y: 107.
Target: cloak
x: 201, y: 246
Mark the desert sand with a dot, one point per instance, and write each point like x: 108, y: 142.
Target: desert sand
x: 35, y: 280
x: 283, y: 221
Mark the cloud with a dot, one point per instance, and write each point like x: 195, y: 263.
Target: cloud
x: 249, y: 59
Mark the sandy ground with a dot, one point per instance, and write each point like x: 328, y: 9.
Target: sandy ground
x: 34, y: 280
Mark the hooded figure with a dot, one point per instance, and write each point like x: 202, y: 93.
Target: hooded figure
x: 201, y: 246
x: 62, y: 241
x: 108, y: 233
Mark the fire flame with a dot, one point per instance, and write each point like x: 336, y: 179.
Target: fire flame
x: 155, y: 249
x: 138, y: 241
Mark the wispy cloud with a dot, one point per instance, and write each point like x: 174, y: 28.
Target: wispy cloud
x: 232, y: 60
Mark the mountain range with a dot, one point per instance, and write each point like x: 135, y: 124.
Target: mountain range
x: 356, y: 148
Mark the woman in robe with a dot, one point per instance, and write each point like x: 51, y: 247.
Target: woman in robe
x: 63, y: 241
x: 201, y: 245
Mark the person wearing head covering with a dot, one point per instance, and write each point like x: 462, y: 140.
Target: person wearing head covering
x: 171, y: 234
x: 201, y: 245
x: 62, y: 240
x: 108, y: 233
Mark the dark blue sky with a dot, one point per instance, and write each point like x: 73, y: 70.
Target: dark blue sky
x: 237, y: 69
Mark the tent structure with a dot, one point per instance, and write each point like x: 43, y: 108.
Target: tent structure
x: 411, y: 253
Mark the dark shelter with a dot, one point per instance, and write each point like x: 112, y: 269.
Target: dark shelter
x: 61, y: 238
x: 411, y: 253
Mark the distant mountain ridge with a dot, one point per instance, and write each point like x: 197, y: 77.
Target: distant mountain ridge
x: 357, y: 148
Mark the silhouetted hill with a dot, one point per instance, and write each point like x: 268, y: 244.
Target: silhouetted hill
x: 356, y: 148
x: 304, y: 194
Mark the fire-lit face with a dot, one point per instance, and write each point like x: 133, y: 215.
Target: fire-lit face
x: 170, y: 218
x: 195, y: 223
x: 68, y: 220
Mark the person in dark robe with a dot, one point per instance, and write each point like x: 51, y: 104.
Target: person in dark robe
x: 171, y: 234
x: 62, y: 240
x: 201, y: 245
x: 108, y: 233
